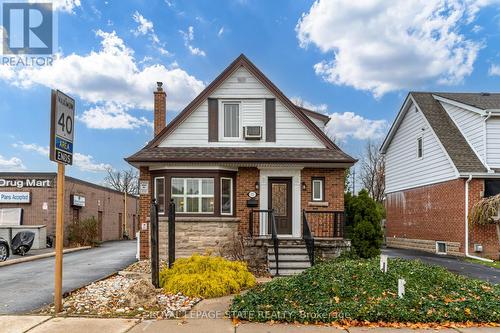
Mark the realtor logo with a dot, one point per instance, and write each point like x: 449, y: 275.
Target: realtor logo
x: 27, y: 28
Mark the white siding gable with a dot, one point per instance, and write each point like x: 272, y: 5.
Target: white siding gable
x: 242, y: 86
x: 403, y: 168
x: 318, y: 122
x: 470, y: 124
x: 493, y: 142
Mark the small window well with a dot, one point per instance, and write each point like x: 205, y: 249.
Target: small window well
x: 441, y: 248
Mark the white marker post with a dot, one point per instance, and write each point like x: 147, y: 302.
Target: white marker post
x: 401, y: 287
x: 383, y: 263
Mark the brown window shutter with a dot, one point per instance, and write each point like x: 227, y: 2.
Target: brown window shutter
x: 213, y: 120
x: 271, y: 120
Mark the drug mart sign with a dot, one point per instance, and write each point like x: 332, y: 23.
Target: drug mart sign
x: 15, y: 197
x: 21, y: 183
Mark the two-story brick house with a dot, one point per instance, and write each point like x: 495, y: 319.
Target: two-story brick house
x: 240, y: 149
x: 442, y: 156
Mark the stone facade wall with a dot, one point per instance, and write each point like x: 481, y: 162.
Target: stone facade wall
x: 421, y: 216
x: 200, y: 235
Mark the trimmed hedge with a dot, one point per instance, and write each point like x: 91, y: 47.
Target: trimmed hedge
x: 339, y: 290
x: 206, y: 276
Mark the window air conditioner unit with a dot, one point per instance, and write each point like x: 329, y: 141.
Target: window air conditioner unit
x: 478, y: 248
x: 253, y: 132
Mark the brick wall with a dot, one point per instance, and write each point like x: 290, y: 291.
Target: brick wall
x: 437, y: 213
x: 97, y: 198
x: 144, y: 206
x: 245, y: 182
x: 321, y: 224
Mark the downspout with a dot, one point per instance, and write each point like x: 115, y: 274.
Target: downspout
x: 467, y: 223
x: 485, y: 141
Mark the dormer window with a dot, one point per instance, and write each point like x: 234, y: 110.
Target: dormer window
x: 231, y: 119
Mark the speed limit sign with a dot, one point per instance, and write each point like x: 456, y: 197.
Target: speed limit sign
x: 62, y: 126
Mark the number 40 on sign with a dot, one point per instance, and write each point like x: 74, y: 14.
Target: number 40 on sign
x: 62, y: 128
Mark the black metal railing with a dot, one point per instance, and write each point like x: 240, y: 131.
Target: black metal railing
x: 326, y: 223
x: 308, y: 237
x: 267, y: 216
x: 257, y: 215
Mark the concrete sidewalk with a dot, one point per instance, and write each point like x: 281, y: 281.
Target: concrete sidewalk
x: 46, y: 324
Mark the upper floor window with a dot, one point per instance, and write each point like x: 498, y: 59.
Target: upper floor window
x: 231, y: 120
x: 420, y: 147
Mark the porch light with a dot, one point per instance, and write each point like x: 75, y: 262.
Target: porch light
x: 303, y: 186
x: 256, y: 185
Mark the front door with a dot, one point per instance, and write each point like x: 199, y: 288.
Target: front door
x: 280, y: 199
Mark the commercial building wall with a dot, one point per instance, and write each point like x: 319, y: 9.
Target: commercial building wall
x: 100, y: 202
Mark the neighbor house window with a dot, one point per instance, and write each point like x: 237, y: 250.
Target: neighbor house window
x: 491, y: 187
x: 231, y: 120
x: 318, y: 189
x: 159, y: 191
x: 226, y: 196
x: 420, y: 147
x: 441, y: 248
x: 193, y: 195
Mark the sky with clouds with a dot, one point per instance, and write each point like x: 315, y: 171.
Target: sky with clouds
x: 352, y: 60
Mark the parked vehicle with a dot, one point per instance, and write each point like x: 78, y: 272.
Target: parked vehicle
x: 22, y: 242
x: 4, y: 249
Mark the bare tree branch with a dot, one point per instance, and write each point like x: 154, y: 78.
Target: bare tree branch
x: 123, y: 181
x: 373, y: 171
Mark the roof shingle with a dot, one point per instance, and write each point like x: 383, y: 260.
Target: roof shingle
x: 231, y: 154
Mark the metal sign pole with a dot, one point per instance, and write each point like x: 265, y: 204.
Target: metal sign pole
x: 59, y: 238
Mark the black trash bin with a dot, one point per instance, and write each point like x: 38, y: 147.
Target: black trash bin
x: 22, y: 242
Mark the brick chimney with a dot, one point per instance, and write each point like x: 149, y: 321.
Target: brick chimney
x: 160, y: 108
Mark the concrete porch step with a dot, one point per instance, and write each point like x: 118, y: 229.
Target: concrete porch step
x: 288, y: 257
x: 288, y: 250
x: 290, y: 264
x: 286, y: 271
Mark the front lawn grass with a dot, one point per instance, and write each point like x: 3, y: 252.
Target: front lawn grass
x: 494, y: 264
x: 356, y: 290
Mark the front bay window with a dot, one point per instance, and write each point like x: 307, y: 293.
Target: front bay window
x: 193, y: 195
x: 196, y: 192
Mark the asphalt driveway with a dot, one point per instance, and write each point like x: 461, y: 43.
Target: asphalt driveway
x: 453, y: 264
x: 28, y: 286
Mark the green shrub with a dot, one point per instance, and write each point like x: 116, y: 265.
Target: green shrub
x: 349, y: 290
x: 84, y: 232
x: 363, y: 218
x: 366, y: 240
x: 206, y: 276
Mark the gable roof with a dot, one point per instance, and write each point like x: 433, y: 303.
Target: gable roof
x: 484, y: 101
x: 452, y: 140
x: 240, y: 61
x: 314, y: 114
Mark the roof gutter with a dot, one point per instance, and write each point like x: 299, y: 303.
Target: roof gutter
x: 467, y: 223
x: 485, y: 138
